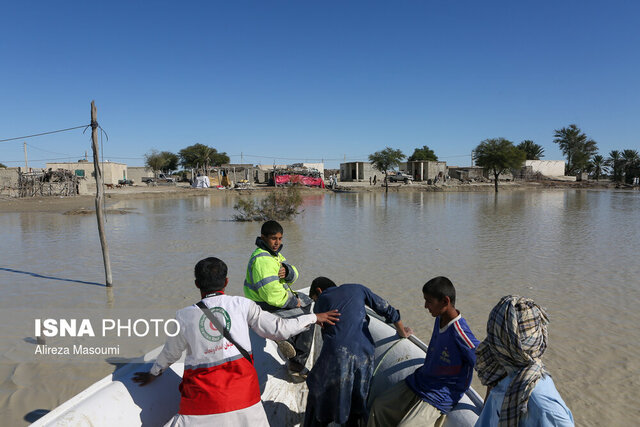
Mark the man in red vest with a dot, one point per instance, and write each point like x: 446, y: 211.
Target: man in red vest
x: 220, y: 385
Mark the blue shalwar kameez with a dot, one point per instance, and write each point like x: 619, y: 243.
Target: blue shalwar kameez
x: 339, y: 381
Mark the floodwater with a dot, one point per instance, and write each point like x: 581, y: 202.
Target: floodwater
x: 575, y: 252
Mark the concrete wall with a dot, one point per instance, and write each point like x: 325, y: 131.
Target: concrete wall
x: 466, y: 173
x: 136, y: 173
x: 358, y: 171
x: 424, y: 170
x: 111, y: 172
x: 546, y: 167
x: 9, y: 177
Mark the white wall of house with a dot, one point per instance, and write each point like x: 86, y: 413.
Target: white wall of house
x: 546, y: 167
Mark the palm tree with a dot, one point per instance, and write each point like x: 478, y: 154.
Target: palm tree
x: 615, y: 162
x: 384, y: 160
x: 599, y: 166
x: 576, y: 147
x: 631, y: 162
x: 531, y: 149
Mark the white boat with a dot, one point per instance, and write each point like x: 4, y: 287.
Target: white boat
x: 117, y: 401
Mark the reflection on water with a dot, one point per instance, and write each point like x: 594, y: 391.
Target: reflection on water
x: 575, y: 252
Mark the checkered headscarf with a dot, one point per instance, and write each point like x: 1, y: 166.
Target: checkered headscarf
x: 516, y: 340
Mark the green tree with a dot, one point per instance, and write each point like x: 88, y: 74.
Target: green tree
x: 498, y: 155
x: 615, y: 162
x: 532, y: 150
x: 200, y: 155
x: 2, y: 165
x: 384, y: 160
x: 576, y: 147
x: 164, y: 161
x: 279, y: 205
x: 631, y: 159
x: 598, y: 166
x: 424, y: 153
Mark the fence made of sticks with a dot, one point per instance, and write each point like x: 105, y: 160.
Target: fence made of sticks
x: 47, y: 183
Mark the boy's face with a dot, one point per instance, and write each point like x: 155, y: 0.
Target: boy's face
x: 435, y: 306
x: 273, y: 241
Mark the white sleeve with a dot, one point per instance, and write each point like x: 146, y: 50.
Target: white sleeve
x: 171, y: 352
x: 274, y: 327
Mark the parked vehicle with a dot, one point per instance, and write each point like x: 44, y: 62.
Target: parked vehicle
x: 162, y: 178
x: 400, y: 176
x: 165, y: 178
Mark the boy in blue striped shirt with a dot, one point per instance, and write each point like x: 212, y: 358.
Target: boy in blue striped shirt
x: 432, y: 390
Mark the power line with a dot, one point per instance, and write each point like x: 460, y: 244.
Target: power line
x: 291, y: 158
x: 43, y: 133
x: 47, y: 151
x: 40, y: 160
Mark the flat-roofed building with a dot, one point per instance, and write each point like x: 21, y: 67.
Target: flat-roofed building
x: 136, y: 173
x: 358, y: 171
x: 423, y: 170
x: 112, y: 172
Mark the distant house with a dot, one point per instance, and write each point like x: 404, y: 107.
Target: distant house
x: 264, y: 173
x: 545, y: 167
x: 423, y: 170
x: 112, y: 172
x: 238, y: 171
x: 466, y: 173
x: 358, y: 171
x: 136, y: 173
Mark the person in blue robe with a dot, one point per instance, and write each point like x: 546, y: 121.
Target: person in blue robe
x: 339, y: 381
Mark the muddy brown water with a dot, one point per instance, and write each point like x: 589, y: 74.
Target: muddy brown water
x: 576, y: 252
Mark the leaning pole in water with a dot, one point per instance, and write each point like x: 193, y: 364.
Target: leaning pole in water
x: 99, y: 195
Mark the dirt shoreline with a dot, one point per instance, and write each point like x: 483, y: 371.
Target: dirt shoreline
x: 87, y: 202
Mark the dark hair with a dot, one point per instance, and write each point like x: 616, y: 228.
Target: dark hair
x: 210, y: 274
x: 440, y: 287
x: 322, y: 283
x: 270, y: 228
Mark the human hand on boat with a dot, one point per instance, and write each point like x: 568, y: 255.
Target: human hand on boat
x: 406, y: 332
x: 143, y: 378
x: 403, y: 331
x: 329, y: 317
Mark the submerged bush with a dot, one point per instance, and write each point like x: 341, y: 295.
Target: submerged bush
x: 278, y: 205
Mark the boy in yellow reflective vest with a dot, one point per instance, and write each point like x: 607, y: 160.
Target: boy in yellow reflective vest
x: 268, y: 283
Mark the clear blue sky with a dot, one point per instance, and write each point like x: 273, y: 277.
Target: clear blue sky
x: 310, y: 80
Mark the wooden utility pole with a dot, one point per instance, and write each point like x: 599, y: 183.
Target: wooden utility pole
x: 26, y: 164
x: 99, y: 195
